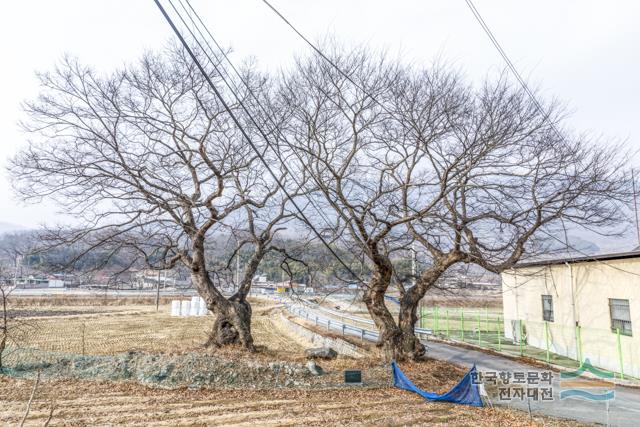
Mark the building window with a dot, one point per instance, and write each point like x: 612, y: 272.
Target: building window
x: 547, y: 308
x: 620, y: 316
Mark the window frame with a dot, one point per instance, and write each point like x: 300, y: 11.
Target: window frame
x: 547, y: 315
x: 625, y: 326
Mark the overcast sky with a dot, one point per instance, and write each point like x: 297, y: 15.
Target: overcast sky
x: 586, y: 53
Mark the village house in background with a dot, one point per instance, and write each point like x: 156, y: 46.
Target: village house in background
x: 148, y: 279
x: 581, y: 307
x: 260, y: 285
x: 38, y: 281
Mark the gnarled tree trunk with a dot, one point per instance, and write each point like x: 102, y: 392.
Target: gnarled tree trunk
x: 232, y: 317
x: 232, y: 325
x: 397, y: 340
x: 391, y: 337
x: 411, y: 345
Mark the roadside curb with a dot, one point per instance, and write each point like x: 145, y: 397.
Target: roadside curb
x: 529, y: 361
x: 341, y: 346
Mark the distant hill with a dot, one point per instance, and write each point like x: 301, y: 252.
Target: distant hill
x: 580, y: 245
x: 555, y: 249
x: 7, y: 227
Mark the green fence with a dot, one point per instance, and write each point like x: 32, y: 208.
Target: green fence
x: 559, y: 345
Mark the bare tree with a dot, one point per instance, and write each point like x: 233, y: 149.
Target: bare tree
x: 149, y: 162
x: 13, y: 329
x: 521, y: 175
x: 259, y: 232
x: 366, y: 163
x: 404, y: 155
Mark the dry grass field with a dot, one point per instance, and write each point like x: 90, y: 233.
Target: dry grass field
x: 83, y: 329
x: 114, y: 329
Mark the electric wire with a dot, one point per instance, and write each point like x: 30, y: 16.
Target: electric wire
x: 331, y: 62
x: 221, y: 70
x: 258, y: 103
x: 245, y: 134
x: 530, y: 93
x: 496, y: 44
x: 353, y: 82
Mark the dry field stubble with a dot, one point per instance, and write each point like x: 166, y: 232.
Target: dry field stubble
x: 123, y: 328
x: 99, y: 330
x: 89, y: 403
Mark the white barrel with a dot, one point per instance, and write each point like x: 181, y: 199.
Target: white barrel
x: 193, y: 307
x: 197, y: 309
x: 202, y: 308
x: 175, y: 307
x: 185, y: 307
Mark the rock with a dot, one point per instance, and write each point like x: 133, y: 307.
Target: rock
x: 314, y: 369
x: 320, y: 353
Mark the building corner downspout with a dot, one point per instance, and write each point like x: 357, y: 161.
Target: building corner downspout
x: 515, y: 292
x: 573, y: 311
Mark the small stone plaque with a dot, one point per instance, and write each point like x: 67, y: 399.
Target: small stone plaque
x: 353, y: 377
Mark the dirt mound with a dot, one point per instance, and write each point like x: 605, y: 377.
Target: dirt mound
x: 193, y: 369
x: 196, y: 369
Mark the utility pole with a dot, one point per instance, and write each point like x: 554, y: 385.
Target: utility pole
x: 566, y: 236
x: 17, y: 272
x: 635, y: 204
x: 237, y: 284
x: 158, y: 292
x: 413, y: 264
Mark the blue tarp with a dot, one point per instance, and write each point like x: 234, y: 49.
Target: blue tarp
x: 465, y: 392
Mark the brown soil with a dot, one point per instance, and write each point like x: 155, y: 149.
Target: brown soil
x: 92, y: 403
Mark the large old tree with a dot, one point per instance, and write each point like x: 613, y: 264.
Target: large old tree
x: 406, y: 155
x: 382, y: 156
x: 521, y: 179
x: 371, y: 172
x: 148, y: 161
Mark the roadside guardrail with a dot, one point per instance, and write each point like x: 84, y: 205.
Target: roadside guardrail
x: 339, y: 325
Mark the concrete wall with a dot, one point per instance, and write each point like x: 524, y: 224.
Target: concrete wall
x: 56, y: 283
x: 316, y: 340
x: 581, y: 293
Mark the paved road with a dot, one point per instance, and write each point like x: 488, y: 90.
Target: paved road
x: 623, y: 410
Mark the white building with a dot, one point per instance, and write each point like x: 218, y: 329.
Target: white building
x: 52, y: 281
x: 149, y: 279
x: 581, y: 307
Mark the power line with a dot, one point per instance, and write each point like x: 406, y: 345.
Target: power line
x: 513, y: 69
x: 496, y: 44
x: 242, y: 130
x: 329, y: 60
x: 259, y: 104
x: 257, y: 101
x: 480, y: 20
x: 234, y: 91
x: 524, y: 85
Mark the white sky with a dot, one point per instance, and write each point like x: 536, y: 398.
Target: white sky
x: 586, y: 53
